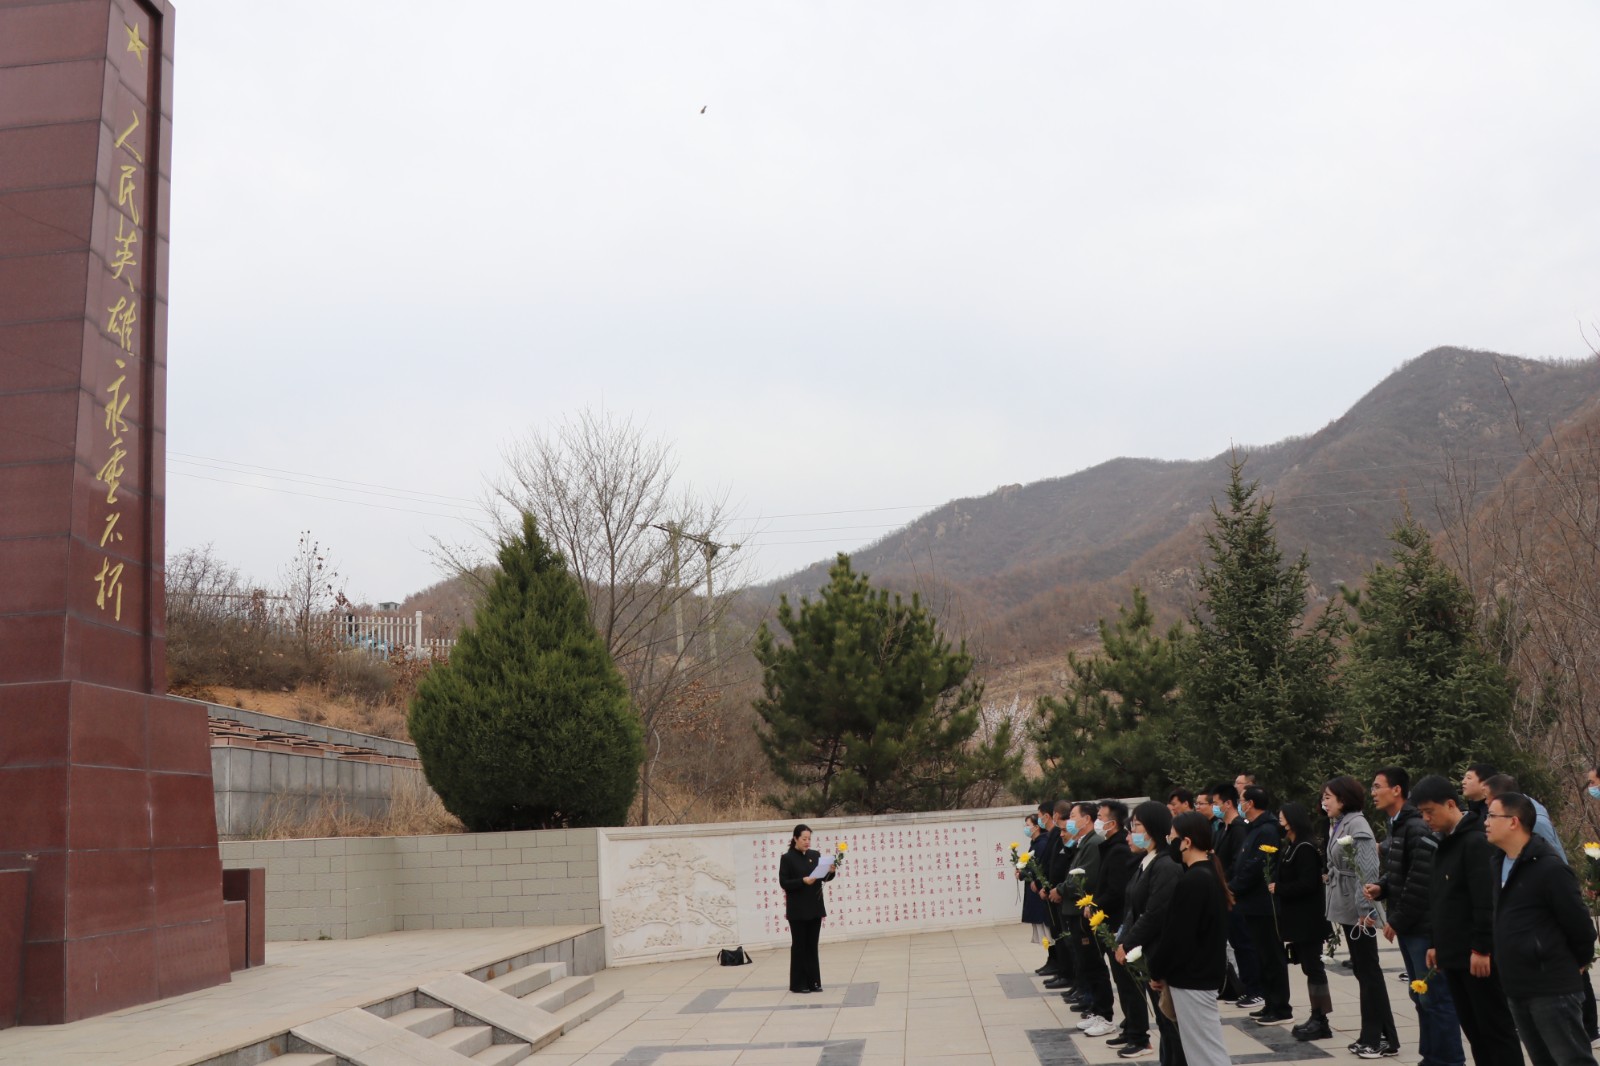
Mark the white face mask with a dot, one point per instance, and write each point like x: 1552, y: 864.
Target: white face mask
x: 1099, y: 826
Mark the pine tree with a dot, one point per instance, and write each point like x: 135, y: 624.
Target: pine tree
x: 868, y: 709
x: 1258, y: 684
x: 1422, y: 689
x: 1112, y: 731
x: 528, y: 726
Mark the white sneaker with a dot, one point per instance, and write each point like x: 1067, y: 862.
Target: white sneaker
x: 1086, y: 1021
x: 1101, y: 1027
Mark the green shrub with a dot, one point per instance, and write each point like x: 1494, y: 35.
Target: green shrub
x: 528, y: 726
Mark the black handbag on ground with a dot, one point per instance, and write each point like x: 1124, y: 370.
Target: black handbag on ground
x: 734, y: 957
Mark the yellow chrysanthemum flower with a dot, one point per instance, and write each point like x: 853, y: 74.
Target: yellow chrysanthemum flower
x: 1015, y: 845
x: 1592, y: 849
x: 1419, y: 987
x: 1046, y: 942
x: 1086, y: 901
x: 843, y: 846
x: 1096, y: 919
x: 1022, y: 860
x: 1269, y: 849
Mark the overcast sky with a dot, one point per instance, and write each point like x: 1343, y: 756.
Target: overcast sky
x: 909, y: 251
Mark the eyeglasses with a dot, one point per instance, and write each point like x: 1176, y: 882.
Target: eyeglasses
x: 1499, y: 816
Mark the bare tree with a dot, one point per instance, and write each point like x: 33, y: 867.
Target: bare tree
x: 656, y: 561
x: 312, y: 589
x: 1528, y: 544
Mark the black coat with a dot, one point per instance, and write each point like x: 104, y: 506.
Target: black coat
x: 800, y: 900
x: 1249, y: 879
x: 1462, y: 896
x: 1117, y: 864
x: 1230, y: 838
x: 1301, y: 916
x: 1149, y: 895
x: 1542, y: 932
x: 1408, y: 856
x: 1033, y: 911
x: 1192, y: 950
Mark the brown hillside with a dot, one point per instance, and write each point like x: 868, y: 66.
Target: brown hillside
x: 1035, y: 565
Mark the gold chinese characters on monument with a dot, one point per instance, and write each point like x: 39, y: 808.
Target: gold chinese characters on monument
x: 127, y: 177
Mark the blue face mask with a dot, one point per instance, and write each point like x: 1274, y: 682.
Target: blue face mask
x: 1140, y: 841
x: 1594, y: 792
x: 1216, y: 812
x: 1072, y: 829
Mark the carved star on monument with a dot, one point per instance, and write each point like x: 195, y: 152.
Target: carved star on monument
x: 136, y: 43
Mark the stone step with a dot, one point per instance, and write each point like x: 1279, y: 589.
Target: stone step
x: 530, y: 978
x: 303, y: 1058
x: 425, y: 1021
x: 558, y: 994
x: 361, y: 1037
x: 580, y: 1010
x: 465, y: 1040
x: 503, y: 1054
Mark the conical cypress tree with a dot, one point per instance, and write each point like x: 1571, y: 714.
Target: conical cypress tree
x: 1259, y: 693
x: 529, y: 726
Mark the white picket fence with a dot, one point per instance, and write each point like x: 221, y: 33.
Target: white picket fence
x: 380, y: 635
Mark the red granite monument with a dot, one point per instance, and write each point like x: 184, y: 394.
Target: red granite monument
x: 105, y: 783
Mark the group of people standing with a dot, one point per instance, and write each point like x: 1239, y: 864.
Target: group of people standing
x: 1214, y: 896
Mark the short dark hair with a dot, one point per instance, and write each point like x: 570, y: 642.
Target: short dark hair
x: 1224, y: 794
x: 1047, y: 807
x: 1348, y: 791
x: 1246, y: 775
x: 1484, y: 770
x: 1118, y: 811
x: 1435, y: 789
x: 1032, y: 819
x: 1500, y: 784
x: 1182, y: 795
x: 1519, y: 807
x: 1086, y: 808
x: 1063, y: 807
x: 1397, y: 778
x: 1257, y: 795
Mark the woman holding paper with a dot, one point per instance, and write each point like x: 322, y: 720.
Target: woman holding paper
x: 801, y: 880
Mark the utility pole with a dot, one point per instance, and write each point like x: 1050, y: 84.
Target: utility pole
x: 709, y: 548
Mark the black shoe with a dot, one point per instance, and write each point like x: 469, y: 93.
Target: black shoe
x: 1117, y: 1041
x: 1055, y: 983
x: 801, y: 991
x: 816, y: 988
x: 1250, y: 1002
x: 1313, y: 1028
x: 1046, y: 971
x: 1274, y: 1017
x: 1261, y: 1013
x: 1133, y: 1051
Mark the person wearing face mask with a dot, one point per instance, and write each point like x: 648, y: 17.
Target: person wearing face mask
x: 1243, y: 986
x: 1118, y: 862
x: 1592, y: 789
x: 1144, y: 913
x: 1188, y: 958
x: 1033, y: 913
x: 1062, y: 858
x: 1248, y: 883
x: 1353, y: 864
x: 1094, y: 982
x: 1043, y: 854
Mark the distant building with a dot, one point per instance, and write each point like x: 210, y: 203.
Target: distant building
x: 388, y: 605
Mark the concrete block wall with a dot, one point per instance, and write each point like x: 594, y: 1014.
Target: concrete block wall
x: 249, y: 785
x: 348, y: 887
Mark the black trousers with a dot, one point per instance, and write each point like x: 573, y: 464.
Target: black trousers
x: 1092, y: 975
x: 1135, y: 1012
x: 1377, y: 1020
x: 1271, y: 962
x: 1485, y: 1017
x: 1062, y: 954
x: 805, y: 971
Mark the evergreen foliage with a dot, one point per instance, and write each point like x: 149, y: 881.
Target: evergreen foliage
x: 529, y: 726
x: 868, y: 709
x: 1111, y: 732
x: 1423, y: 692
x: 1259, y: 691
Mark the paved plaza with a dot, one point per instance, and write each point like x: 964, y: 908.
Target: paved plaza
x: 964, y: 998
x: 947, y: 998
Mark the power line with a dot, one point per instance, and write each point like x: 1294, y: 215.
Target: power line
x: 313, y: 496
x: 317, y: 477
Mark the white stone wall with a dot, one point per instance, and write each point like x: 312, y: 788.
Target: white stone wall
x: 671, y: 892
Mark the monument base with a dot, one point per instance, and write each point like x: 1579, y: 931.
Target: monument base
x: 110, y: 809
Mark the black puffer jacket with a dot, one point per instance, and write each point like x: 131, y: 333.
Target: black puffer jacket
x: 1461, y: 900
x: 1542, y: 933
x: 1149, y: 895
x: 1408, y: 857
x: 1117, y: 865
